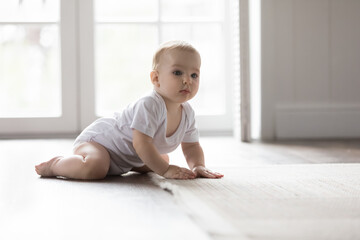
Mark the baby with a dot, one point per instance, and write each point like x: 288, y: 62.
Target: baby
x: 139, y: 138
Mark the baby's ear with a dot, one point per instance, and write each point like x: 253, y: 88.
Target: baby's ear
x: 154, y: 75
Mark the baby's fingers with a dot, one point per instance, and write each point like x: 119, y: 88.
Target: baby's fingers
x: 217, y: 175
x: 209, y: 174
x: 185, y: 174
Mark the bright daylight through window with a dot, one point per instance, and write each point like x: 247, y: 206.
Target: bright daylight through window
x: 64, y: 63
x: 128, y: 32
x: 29, y: 59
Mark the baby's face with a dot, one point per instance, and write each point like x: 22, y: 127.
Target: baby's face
x: 178, y: 75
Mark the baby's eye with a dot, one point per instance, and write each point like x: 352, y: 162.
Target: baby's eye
x: 177, y: 73
x: 194, y: 75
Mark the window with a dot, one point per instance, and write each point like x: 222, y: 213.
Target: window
x: 29, y: 59
x: 128, y: 32
x: 64, y: 63
x: 36, y: 82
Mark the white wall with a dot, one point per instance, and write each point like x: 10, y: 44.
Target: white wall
x: 310, y: 69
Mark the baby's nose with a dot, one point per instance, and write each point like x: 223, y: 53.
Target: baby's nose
x: 187, y: 80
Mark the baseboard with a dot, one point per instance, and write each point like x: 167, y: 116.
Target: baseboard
x: 317, y: 121
x: 39, y: 136
x: 208, y: 133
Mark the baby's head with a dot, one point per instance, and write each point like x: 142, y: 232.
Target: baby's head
x: 176, y: 71
x: 171, y: 45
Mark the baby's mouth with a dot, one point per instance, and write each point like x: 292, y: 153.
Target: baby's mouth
x: 185, y: 91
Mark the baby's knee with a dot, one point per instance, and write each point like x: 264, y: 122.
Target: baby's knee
x: 95, y: 173
x: 95, y: 169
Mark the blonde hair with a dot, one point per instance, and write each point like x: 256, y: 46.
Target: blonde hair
x: 171, y: 45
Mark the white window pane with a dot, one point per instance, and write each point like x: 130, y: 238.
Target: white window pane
x: 29, y: 71
x: 29, y: 11
x: 211, y: 98
x: 123, y: 64
x: 192, y: 10
x: 126, y: 10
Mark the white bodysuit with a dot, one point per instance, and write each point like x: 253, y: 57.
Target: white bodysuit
x: 147, y: 115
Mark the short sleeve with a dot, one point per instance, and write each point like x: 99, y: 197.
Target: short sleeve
x: 146, y: 116
x: 191, y: 133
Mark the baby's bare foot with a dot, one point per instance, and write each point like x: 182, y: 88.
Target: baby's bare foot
x: 44, y: 169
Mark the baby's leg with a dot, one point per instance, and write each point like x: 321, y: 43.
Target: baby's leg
x: 166, y: 157
x: 90, y: 161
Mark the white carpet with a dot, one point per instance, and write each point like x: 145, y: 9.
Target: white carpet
x: 319, y: 201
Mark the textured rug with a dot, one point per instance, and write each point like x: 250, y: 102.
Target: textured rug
x: 317, y: 201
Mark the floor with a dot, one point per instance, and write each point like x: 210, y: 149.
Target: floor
x: 283, y: 190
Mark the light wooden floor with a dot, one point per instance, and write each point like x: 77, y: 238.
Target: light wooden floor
x: 288, y: 190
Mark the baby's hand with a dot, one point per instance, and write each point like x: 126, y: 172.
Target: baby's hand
x: 201, y: 171
x: 176, y: 172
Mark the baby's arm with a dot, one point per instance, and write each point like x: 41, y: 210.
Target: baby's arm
x: 194, y: 156
x: 148, y: 153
